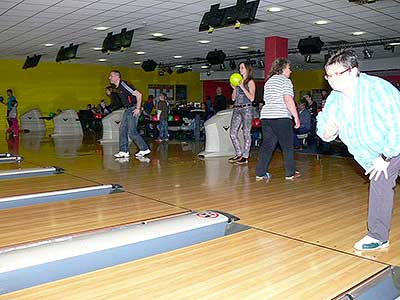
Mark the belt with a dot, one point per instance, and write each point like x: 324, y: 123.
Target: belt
x: 241, y: 105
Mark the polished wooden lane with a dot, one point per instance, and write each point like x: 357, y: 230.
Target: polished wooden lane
x: 323, y: 213
x: 248, y: 265
x: 44, y: 221
x: 36, y: 184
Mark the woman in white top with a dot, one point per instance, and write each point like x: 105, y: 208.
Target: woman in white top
x: 276, y: 120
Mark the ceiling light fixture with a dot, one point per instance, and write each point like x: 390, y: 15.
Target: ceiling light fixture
x: 140, y: 52
x: 48, y: 45
x: 394, y: 44
x: 321, y: 22
x: 274, y: 9
x: 358, y: 33
x: 101, y: 28
x: 102, y: 59
x: 367, y: 52
x: 97, y: 48
x: 237, y: 25
x: 157, y: 34
x: 205, y: 66
x: 204, y: 41
x: 244, y: 47
x: 178, y: 66
x: 178, y: 56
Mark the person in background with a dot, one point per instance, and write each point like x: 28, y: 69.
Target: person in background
x: 147, y: 110
x: 115, y: 101
x: 131, y: 100
x: 219, y: 101
x: 312, y: 106
x: 10, y: 100
x: 305, y: 123
x: 13, y: 118
x: 162, y: 112
x: 364, y: 112
x: 209, y: 108
x: 276, y: 120
x: 243, y: 96
x: 103, y: 108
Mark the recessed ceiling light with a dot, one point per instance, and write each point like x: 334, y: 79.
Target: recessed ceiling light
x: 204, y: 41
x: 358, y: 33
x: 394, y: 44
x: 140, y: 52
x: 48, y: 45
x: 178, y: 66
x: 101, y: 28
x: 102, y: 59
x: 97, y: 48
x: 274, y: 9
x: 137, y: 62
x: 156, y: 34
x: 321, y: 22
x: 177, y: 56
x: 244, y: 47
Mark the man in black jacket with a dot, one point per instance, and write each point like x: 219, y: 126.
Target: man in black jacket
x: 131, y: 100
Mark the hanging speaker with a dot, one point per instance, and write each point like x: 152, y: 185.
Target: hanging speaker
x: 310, y: 45
x: 216, y: 57
x: 149, y: 65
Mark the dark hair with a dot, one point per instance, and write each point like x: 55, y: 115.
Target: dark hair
x: 250, y: 72
x: 278, y: 65
x: 116, y: 72
x: 9, y: 91
x: 110, y: 88
x: 345, y: 57
x: 303, y: 101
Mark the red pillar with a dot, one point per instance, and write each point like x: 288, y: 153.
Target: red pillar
x: 275, y: 46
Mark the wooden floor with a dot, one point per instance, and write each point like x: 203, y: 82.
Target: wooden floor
x: 300, y: 246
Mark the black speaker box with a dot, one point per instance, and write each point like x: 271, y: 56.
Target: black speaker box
x: 216, y: 57
x: 149, y: 65
x: 310, y: 45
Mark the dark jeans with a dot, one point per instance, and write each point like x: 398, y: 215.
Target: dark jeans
x: 276, y: 131
x: 163, y: 127
x: 128, y: 126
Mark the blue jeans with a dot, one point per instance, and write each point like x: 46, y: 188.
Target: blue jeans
x: 128, y: 126
x: 163, y: 129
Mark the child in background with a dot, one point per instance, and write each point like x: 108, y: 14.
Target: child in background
x: 13, y: 118
x: 162, y: 112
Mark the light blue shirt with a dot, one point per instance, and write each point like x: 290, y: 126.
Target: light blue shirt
x: 372, y: 126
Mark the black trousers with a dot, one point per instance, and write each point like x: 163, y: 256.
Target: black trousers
x: 276, y: 131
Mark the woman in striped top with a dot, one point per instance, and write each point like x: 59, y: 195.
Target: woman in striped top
x: 243, y: 95
x: 276, y: 120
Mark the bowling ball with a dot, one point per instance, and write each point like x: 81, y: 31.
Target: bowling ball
x: 235, y: 79
x: 177, y: 118
x: 256, y: 123
x: 154, y: 118
x: 1, y: 99
x: 170, y: 118
x: 52, y: 114
x: 141, y: 118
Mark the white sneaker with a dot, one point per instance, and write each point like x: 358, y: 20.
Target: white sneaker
x: 142, y: 153
x: 368, y: 243
x: 121, y: 154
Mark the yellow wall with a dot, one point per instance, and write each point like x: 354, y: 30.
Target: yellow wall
x: 307, y: 81
x: 50, y: 86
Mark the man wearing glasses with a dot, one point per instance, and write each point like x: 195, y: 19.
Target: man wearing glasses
x: 365, y: 112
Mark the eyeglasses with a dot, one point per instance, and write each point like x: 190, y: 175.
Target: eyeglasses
x: 336, y: 73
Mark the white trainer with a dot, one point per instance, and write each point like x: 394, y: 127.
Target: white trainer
x: 142, y: 153
x: 121, y: 154
x: 368, y: 243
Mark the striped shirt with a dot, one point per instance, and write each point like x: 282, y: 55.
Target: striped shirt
x: 371, y: 126
x: 274, y: 89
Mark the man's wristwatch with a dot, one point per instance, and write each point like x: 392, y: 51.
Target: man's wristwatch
x: 385, y: 158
